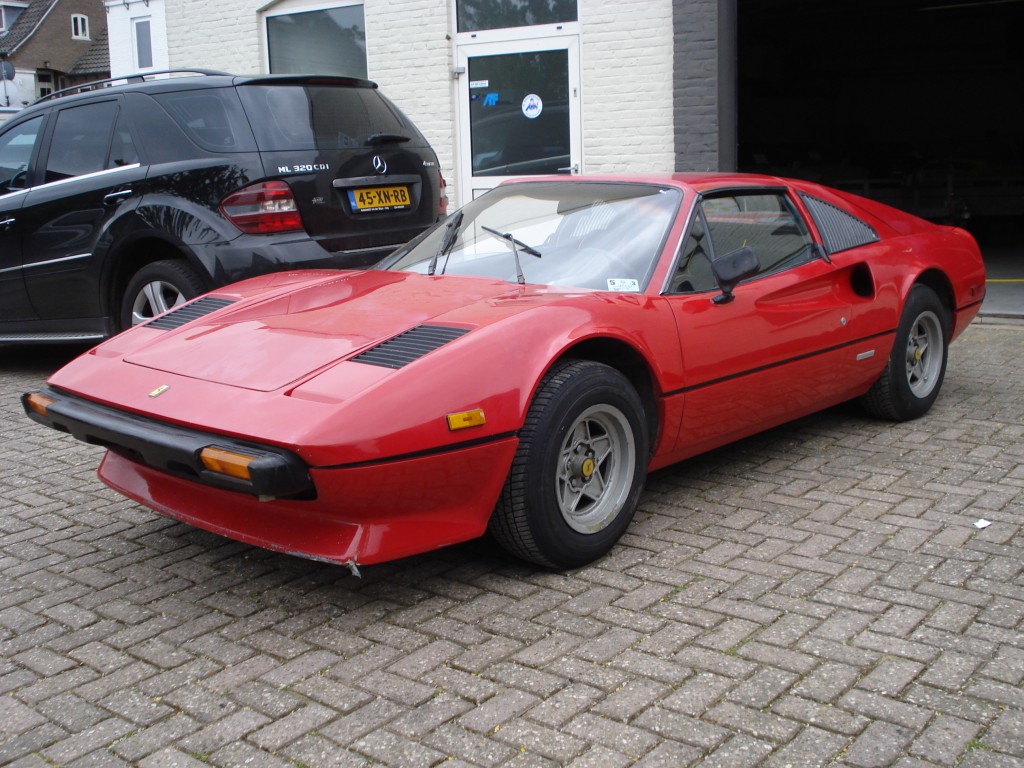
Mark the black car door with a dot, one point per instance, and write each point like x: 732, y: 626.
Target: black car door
x: 88, y: 173
x: 17, y: 152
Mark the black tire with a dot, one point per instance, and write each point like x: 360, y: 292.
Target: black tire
x: 579, y: 470
x: 157, y: 287
x: 917, y: 365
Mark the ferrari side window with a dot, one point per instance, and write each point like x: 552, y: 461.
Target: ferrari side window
x: 763, y: 221
x: 693, y: 273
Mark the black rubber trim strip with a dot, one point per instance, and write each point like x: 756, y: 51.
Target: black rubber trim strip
x: 171, y: 448
x: 769, y: 366
x: 439, y: 451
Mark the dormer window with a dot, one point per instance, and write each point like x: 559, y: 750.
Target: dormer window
x: 9, y: 13
x: 79, y: 27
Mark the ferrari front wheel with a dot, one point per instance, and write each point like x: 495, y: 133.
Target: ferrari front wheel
x: 577, y: 476
x: 917, y: 365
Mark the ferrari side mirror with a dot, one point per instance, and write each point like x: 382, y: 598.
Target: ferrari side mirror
x: 731, y: 269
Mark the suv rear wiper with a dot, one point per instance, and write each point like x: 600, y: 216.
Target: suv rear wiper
x: 386, y: 138
x: 516, y: 246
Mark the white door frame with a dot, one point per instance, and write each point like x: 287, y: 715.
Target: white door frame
x: 493, y: 44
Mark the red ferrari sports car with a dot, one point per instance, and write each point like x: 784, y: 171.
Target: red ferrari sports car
x: 522, y: 366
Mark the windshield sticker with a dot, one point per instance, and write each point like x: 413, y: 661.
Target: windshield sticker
x: 532, y: 105
x: 479, y: 83
x: 623, y: 285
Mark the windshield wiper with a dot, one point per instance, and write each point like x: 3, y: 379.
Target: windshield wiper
x: 451, y: 231
x: 386, y: 138
x: 516, y: 245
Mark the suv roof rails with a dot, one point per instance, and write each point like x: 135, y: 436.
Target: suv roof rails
x: 136, y: 78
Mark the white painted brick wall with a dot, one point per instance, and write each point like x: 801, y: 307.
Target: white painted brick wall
x: 409, y: 54
x: 626, y: 58
x: 627, y: 85
x: 220, y: 35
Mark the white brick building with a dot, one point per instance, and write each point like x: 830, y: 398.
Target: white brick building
x: 615, y: 61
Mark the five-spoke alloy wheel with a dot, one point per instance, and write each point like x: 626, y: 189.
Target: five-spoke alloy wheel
x: 913, y: 375
x: 577, y: 475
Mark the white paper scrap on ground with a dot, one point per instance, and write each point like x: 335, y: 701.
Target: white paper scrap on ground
x: 983, y: 523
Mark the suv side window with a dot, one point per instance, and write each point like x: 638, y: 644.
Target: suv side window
x: 15, y: 154
x: 122, y: 148
x: 81, y: 140
x: 211, y: 117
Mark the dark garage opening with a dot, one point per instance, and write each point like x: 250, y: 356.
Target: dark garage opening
x: 916, y: 103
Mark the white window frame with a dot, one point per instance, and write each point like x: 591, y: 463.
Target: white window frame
x: 79, y: 27
x: 290, y: 7
x: 3, y: 13
x: 139, y: 66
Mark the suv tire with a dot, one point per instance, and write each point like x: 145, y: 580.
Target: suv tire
x: 156, y: 288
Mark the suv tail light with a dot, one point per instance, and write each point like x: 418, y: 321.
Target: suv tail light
x: 263, y: 208
x: 442, y: 203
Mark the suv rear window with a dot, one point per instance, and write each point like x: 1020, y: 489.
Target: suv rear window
x: 288, y: 117
x: 211, y: 117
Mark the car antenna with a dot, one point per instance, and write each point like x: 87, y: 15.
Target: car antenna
x: 516, y: 245
x: 451, y: 231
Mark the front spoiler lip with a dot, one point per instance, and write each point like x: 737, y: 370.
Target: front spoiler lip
x: 275, y: 472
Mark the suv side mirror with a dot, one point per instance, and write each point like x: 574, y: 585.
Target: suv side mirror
x: 731, y: 269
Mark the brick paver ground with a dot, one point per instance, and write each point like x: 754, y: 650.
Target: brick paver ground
x: 817, y: 595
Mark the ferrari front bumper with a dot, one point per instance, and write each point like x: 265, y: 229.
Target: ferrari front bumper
x: 270, y: 472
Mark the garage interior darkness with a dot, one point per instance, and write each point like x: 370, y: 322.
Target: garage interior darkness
x: 917, y: 103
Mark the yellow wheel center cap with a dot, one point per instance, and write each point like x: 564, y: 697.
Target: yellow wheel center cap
x: 588, y: 468
x: 917, y: 355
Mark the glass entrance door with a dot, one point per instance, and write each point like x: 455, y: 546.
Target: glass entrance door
x: 519, y: 111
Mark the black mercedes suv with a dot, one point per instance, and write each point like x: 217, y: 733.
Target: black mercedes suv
x: 119, y: 202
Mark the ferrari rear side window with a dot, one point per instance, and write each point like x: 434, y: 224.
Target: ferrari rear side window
x: 763, y: 221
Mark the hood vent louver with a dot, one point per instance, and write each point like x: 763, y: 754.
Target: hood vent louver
x: 407, y: 347
x: 189, y: 312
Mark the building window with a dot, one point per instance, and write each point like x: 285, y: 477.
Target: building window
x: 141, y: 32
x: 79, y: 27
x: 331, y: 41
x: 9, y: 13
x: 476, y: 15
x: 44, y: 84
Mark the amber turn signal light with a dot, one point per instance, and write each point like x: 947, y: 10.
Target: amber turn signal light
x: 39, y: 403
x: 226, y: 462
x: 473, y: 418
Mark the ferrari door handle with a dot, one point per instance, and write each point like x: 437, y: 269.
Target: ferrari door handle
x: 116, y: 198
x: 6, y: 223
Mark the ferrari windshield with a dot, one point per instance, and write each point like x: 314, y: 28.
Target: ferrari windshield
x: 603, y: 236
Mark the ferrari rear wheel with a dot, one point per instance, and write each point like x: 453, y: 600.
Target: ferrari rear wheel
x: 917, y: 365
x: 577, y: 476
